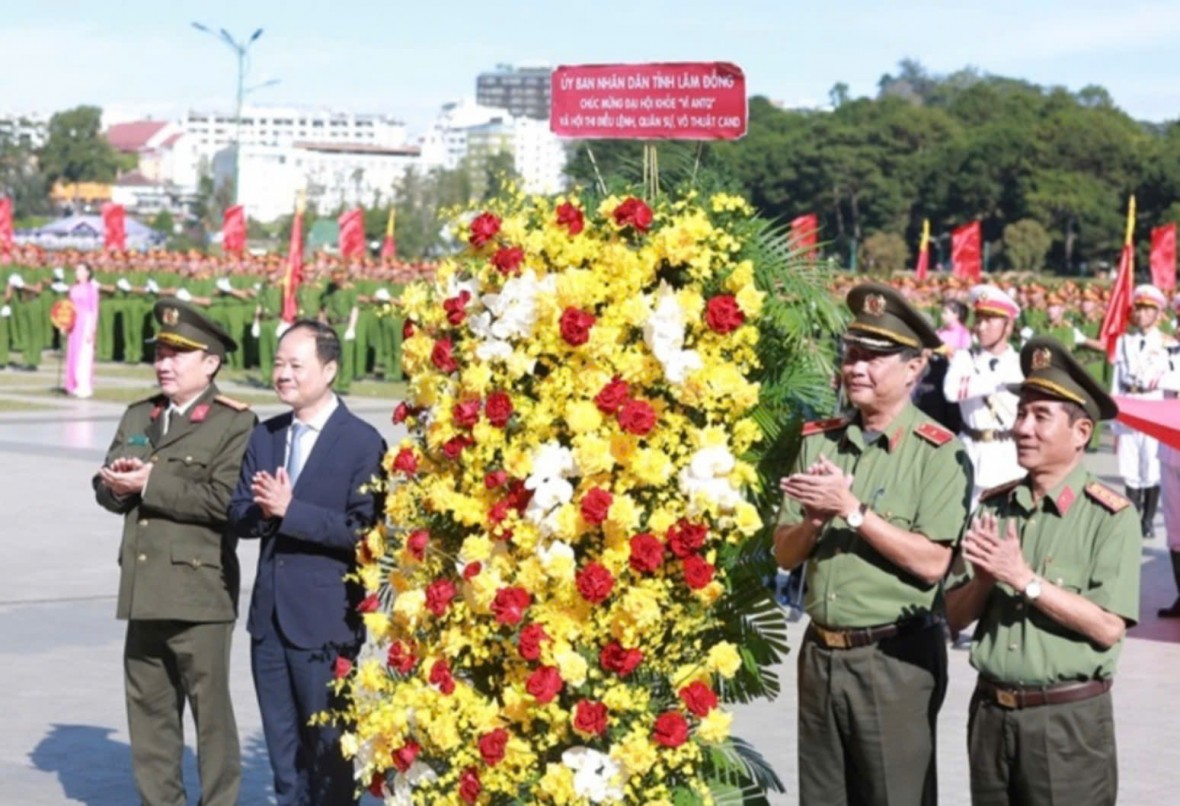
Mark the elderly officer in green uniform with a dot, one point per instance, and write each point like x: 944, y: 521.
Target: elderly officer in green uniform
x: 170, y: 472
x: 874, y: 505
x: 1053, y: 579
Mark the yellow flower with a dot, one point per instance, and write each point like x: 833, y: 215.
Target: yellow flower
x: 724, y: 659
x: 408, y: 606
x: 582, y: 416
x: 476, y: 548
x: 557, y: 784
x: 747, y: 519
x: 636, y: 753
x: 749, y: 299
x: 572, y: 666
x: 714, y: 727
x: 377, y: 623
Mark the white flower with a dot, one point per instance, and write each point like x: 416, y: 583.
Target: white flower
x: 455, y: 286
x: 707, y: 477
x: 597, y: 776
x: 551, y: 463
x: 556, y: 558
x: 509, y: 315
x: 663, y: 332
x: 404, y: 783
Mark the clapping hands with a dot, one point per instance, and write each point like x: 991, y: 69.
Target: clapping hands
x: 272, y: 493
x: 823, y: 489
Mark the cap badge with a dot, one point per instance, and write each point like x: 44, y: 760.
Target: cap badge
x: 1042, y: 358
x: 874, y: 305
x: 170, y: 316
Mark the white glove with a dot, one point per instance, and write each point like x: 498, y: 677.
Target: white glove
x: 258, y: 286
x: 281, y: 328
x: 5, y: 312
x: 350, y: 335
x: 59, y: 287
x: 1079, y: 337
x: 255, y: 329
x: 382, y: 295
x: 223, y: 285
x: 16, y: 281
x: 59, y: 273
x: 123, y: 284
x: 1026, y: 333
x: 152, y: 286
x: 183, y: 295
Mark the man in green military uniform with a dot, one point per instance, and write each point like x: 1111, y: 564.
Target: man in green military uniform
x: 170, y: 471
x: 874, y: 504
x: 30, y: 330
x: 267, y: 310
x: 338, y: 307
x: 1053, y: 579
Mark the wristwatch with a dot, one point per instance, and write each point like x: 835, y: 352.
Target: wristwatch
x: 856, y: 518
x: 1032, y: 590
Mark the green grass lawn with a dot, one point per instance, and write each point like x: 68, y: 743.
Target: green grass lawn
x: 22, y: 405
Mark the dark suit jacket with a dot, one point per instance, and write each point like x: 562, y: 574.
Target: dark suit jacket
x: 305, y: 555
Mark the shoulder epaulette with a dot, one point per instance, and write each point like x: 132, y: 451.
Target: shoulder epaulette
x: 153, y: 399
x: 236, y: 405
x: 1107, y: 497
x: 1000, y: 489
x: 820, y: 426
x: 934, y: 434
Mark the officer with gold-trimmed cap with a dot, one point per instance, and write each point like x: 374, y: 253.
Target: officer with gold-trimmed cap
x: 874, y: 505
x: 169, y: 472
x: 1051, y: 575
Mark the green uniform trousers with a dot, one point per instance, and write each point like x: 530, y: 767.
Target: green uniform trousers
x: 1049, y: 754
x: 347, y: 370
x: 5, y: 339
x: 167, y: 663
x: 867, y: 720
x: 32, y: 331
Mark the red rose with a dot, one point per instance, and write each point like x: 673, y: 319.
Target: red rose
x: 443, y: 356
x: 670, y: 729
x: 635, y: 213
x: 453, y: 447
x: 612, y: 396
x: 544, y: 684
x: 456, y: 307
x: 596, y: 505
x: 508, y: 259
x: 509, y: 605
x: 469, y: 785
x: 637, y: 417
x: 401, y: 413
x: 570, y: 217
x: 377, y: 785
x: 595, y: 583
x: 590, y: 717
x: 342, y: 668
x: 407, y: 329
x: 495, y: 479
x: 615, y: 658
x: 472, y: 570
x: 404, y: 756
x: 439, y: 595
x: 369, y: 604
x: 440, y: 675
x: 483, y: 229
x: 406, y: 461
x: 723, y: 315
x: 499, y: 409
x: 519, y: 496
x: 697, y: 572
x: 575, y: 326
x: 401, y: 658
x: 686, y: 538
x: 417, y: 542
x: 529, y: 643
x: 647, y: 553
x: 698, y: 698
x: 466, y: 414
x: 491, y: 746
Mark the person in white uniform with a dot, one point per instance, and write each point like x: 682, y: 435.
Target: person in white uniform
x: 1170, y: 473
x: 978, y: 379
x: 1140, y: 363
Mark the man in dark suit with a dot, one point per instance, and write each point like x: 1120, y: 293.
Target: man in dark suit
x: 169, y: 472
x: 300, y: 492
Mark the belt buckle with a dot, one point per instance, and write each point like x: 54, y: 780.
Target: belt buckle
x: 833, y: 639
x: 1006, y: 699
x: 987, y: 435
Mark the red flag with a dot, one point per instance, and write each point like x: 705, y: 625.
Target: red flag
x: 294, y: 275
x: 1163, y: 257
x: 967, y: 252
x: 352, y: 233
x: 114, y: 234
x: 922, y: 269
x: 1156, y: 418
x: 233, y: 230
x: 1118, y: 309
x: 389, y: 246
x: 805, y: 232
x: 5, y: 224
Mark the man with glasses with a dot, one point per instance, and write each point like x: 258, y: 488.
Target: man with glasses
x: 874, y: 505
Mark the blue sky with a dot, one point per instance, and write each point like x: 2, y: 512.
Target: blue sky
x: 408, y: 58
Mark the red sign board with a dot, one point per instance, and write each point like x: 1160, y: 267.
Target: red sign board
x: 670, y: 101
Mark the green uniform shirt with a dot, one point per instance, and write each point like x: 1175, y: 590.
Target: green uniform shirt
x: 1081, y: 537
x: 337, y: 303
x: 916, y: 475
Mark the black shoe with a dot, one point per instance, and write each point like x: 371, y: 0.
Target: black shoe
x: 1170, y: 612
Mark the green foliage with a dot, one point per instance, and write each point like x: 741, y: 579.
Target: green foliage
x: 1026, y: 243
x: 76, y: 151
x: 884, y: 252
x: 164, y: 223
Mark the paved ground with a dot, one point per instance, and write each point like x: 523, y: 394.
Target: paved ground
x: 64, y: 736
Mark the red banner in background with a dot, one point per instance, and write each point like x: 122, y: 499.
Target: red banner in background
x: 114, y: 233
x: 805, y: 233
x: 389, y: 246
x: 5, y: 224
x: 233, y: 230
x: 967, y: 251
x: 294, y: 275
x: 1118, y: 305
x: 664, y: 101
x: 1163, y: 258
x: 352, y: 233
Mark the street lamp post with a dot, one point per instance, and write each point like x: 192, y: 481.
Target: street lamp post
x: 240, y: 50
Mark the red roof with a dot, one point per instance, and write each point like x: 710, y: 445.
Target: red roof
x: 131, y: 137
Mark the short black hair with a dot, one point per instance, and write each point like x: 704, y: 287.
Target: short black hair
x: 327, y: 343
x: 958, y: 306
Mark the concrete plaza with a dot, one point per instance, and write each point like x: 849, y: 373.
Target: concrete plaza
x: 64, y: 734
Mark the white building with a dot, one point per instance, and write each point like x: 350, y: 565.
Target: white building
x: 24, y: 128
x: 280, y: 127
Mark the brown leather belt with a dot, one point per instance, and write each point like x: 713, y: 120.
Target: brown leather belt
x: 863, y: 636
x: 988, y: 434
x: 1017, y: 697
